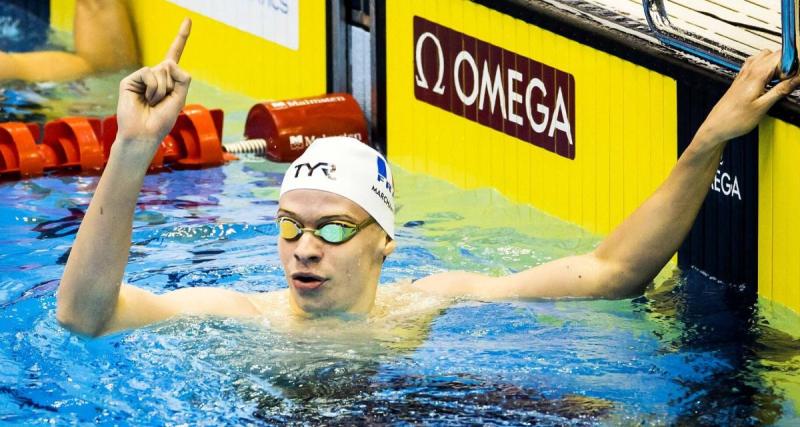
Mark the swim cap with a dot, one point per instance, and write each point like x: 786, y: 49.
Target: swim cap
x: 349, y: 168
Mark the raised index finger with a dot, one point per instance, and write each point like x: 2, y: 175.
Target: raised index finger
x: 176, y: 49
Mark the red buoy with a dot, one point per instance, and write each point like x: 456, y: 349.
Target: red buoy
x: 290, y: 126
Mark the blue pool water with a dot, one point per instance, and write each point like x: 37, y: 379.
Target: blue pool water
x: 693, y: 351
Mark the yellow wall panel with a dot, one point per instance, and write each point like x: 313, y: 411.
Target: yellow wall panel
x: 778, y: 228
x: 616, y: 141
x: 547, y: 201
x: 765, y: 178
x: 510, y: 164
x: 535, y: 173
x: 574, y: 196
x: 602, y: 181
x: 224, y: 56
x: 473, y: 169
x: 630, y: 102
x: 587, y: 181
x: 620, y: 147
x: 233, y: 59
x: 780, y: 217
x: 62, y: 12
x: 403, y: 152
x: 642, y: 133
x: 523, y: 43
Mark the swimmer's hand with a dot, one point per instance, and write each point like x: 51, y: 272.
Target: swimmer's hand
x: 746, y: 102
x: 151, y: 98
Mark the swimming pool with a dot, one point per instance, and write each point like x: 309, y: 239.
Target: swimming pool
x: 692, y: 351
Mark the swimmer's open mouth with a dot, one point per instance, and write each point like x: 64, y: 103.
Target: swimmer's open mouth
x: 307, y: 281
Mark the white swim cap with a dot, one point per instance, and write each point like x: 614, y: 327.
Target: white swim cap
x: 349, y: 168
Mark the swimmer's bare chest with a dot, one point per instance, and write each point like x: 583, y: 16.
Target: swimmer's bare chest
x: 402, y: 314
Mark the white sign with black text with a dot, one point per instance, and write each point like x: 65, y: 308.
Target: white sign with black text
x: 275, y: 20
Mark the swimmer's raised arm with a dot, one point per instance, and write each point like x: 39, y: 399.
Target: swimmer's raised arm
x: 91, y: 299
x: 633, y: 254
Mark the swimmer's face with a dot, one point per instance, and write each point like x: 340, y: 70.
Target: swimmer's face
x: 325, y: 277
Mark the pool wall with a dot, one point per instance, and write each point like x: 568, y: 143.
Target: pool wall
x: 778, y: 207
x: 631, y: 104
x: 636, y: 109
x: 230, y: 58
x: 625, y: 132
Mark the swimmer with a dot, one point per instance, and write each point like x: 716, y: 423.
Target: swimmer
x: 103, y: 42
x: 336, y: 225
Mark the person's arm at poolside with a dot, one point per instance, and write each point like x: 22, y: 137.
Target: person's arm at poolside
x: 103, y: 42
x: 91, y: 299
x: 633, y: 254
x: 42, y: 66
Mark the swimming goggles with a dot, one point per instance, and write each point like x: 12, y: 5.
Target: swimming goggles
x: 334, y: 232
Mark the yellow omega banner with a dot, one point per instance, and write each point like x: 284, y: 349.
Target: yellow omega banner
x: 589, y: 156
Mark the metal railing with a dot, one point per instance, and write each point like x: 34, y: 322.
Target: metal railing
x: 658, y: 20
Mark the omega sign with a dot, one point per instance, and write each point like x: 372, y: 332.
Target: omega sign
x: 494, y: 87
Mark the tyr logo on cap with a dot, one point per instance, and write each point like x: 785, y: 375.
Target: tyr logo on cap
x: 326, y: 168
x: 383, y: 176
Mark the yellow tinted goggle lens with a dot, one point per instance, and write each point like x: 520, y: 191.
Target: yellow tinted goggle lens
x: 288, y: 229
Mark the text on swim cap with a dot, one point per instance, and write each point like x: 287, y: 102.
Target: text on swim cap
x: 383, y: 197
x: 324, y: 167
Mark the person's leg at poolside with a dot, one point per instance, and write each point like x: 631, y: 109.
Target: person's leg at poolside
x: 103, y: 42
x: 104, y: 35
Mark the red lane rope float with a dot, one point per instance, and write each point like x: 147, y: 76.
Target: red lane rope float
x: 73, y: 142
x: 84, y: 144
x: 281, y: 130
x: 110, y: 135
x: 194, y: 141
x: 18, y: 150
x: 198, y: 132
